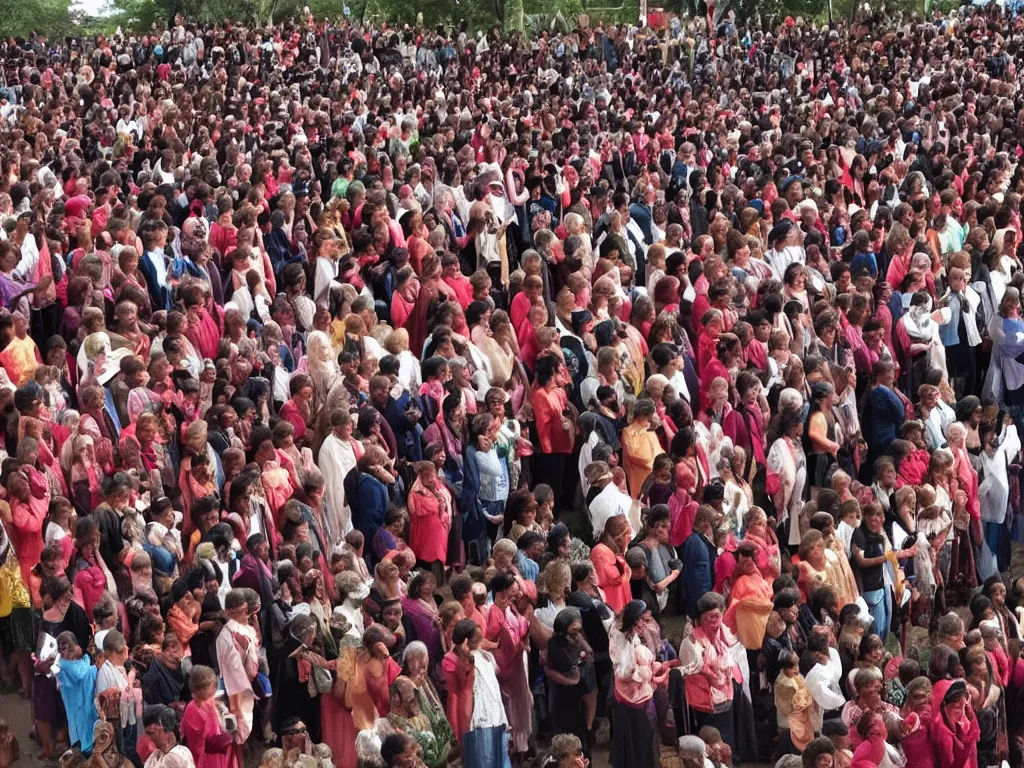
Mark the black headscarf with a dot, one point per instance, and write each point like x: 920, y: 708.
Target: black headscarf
x: 565, y: 619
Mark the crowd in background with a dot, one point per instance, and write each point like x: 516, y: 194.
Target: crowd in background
x: 405, y: 396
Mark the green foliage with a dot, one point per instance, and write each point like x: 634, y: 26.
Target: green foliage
x: 53, y: 18
x: 56, y: 18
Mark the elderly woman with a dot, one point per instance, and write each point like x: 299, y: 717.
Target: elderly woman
x: 708, y: 667
x: 867, y: 686
x: 787, y: 463
x: 415, y: 666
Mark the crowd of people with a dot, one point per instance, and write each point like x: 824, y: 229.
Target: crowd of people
x: 405, y: 396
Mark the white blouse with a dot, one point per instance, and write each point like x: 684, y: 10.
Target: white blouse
x: 488, y: 710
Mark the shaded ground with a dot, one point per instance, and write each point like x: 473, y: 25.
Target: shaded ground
x: 18, y: 714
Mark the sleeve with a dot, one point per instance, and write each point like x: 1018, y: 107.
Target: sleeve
x: 458, y: 675
x: 544, y: 415
x: 824, y: 696
x: 558, y: 659
x: 608, y: 574
x: 696, y: 565
x: 24, y: 520
x: 784, y: 699
x: 899, y: 413
x: 691, y: 658
x: 942, y: 745
x: 493, y: 625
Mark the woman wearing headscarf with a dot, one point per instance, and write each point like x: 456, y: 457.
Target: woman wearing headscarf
x: 636, y: 675
x: 955, y: 731
x: 571, y: 676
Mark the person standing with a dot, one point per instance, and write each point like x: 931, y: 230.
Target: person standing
x: 637, y: 675
x: 161, y: 726
x: 474, y: 707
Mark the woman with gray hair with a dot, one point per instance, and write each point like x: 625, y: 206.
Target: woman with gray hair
x: 415, y: 666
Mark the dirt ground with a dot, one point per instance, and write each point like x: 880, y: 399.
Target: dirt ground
x: 18, y: 714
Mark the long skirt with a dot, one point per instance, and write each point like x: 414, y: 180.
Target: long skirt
x: 518, y: 700
x: 744, y: 744
x: 632, y: 736
x: 338, y: 731
x: 486, y: 748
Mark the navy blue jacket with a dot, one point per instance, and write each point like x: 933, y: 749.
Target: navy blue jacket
x: 698, y: 574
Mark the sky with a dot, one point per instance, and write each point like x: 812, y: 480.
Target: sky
x: 93, y: 7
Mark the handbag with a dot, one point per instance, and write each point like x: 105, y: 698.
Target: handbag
x: 320, y: 681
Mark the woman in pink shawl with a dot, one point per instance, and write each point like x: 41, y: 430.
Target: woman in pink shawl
x: 88, y: 572
x: 757, y: 531
x: 203, y: 331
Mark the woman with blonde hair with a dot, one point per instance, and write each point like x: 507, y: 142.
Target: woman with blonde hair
x: 322, y: 366
x: 409, y: 375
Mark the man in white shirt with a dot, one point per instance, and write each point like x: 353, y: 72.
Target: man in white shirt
x: 609, y: 502
x: 823, y: 678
